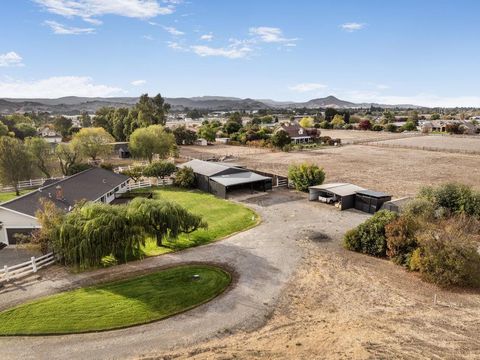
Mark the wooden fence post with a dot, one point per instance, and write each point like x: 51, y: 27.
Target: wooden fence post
x: 7, y: 276
x: 34, y: 265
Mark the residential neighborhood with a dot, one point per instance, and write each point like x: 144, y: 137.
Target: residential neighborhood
x: 239, y: 180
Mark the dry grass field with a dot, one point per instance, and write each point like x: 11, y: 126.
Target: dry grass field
x: 437, y: 143
x: 345, y: 305
x: 400, y: 172
x: 349, y: 136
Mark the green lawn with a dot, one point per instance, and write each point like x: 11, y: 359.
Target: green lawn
x: 5, y: 196
x: 117, y: 304
x: 223, y: 217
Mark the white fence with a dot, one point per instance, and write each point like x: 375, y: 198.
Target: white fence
x: 139, y: 185
x: 29, y: 267
x: 29, y: 184
x: 130, y: 167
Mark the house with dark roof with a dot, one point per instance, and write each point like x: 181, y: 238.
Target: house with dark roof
x: 221, y: 178
x: 17, y: 216
x: 297, y: 133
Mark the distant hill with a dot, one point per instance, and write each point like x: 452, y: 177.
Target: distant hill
x: 71, y: 105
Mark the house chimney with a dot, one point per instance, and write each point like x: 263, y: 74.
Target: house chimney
x: 59, y: 192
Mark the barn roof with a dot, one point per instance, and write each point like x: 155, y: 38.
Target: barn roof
x: 209, y: 168
x: 246, y: 177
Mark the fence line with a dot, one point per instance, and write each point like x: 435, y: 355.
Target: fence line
x: 28, y: 267
x: 425, y: 148
x: 140, y: 185
x: 28, y: 184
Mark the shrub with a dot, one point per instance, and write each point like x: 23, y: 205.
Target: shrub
x: 377, y: 127
x: 369, y: 237
x: 184, y: 178
x: 401, y: 240
x: 409, y: 126
x: 325, y: 125
x: 107, y: 166
x: 76, y: 168
x: 447, y: 258
x: 419, y: 209
x: 455, y: 198
x: 365, y: 125
x: 390, y: 128
x: 305, y: 175
x: 348, y: 126
x: 280, y: 138
x: 159, y: 169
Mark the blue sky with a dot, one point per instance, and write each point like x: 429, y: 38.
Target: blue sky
x: 421, y: 52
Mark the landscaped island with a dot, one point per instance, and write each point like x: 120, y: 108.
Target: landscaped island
x: 117, y: 304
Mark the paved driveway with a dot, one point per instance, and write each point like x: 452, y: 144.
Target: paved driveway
x: 264, y: 259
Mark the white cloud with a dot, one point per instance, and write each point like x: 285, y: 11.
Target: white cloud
x: 10, y: 59
x: 306, y: 87
x: 61, y: 29
x: 176, y: 46
x: 148, y: 37
x: 206, y: 37
x: 233, y: 51
x: 382, y: 87
x: 173, y: 31
x: 56, y: 86
x: 138, y: 82
x: 269, y: 34
x: 353, y: 26
x: 89, y: 9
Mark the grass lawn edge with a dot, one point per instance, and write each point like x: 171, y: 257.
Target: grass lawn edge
x: 230, y: 272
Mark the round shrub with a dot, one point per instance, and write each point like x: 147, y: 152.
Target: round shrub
x: 369, y: 237
x: 377, y: 127
x: 184, y: 178
x: 305, y: 175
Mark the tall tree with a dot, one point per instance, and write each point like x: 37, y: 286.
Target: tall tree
x: 104, y: 118
x: 93, y: 142
x: 41, y: 152
x: 85, y: 119
x: 151, y: 111
x: 62, y: 125
x: 15, y: 162
x: 150, y: 141
x: 119, y: 122
x: 68, y: 156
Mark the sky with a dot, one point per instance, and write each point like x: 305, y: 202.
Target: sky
x: 422, y: 52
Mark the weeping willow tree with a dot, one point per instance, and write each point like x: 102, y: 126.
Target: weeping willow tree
x: 95, y: 230
x: 163, y: 219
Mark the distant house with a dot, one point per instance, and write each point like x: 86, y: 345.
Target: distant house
x: 468, y: 127
x: 121, y: 149
x: 221, y: 178
x: 17, y: 216
x: 50, y: 135
x: 297, y: 133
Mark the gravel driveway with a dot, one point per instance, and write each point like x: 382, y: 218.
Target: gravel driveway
x: 264, y: 258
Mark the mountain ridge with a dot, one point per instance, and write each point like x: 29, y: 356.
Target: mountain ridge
x: 70, y: 105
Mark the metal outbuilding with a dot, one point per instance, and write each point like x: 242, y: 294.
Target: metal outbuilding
x: 347, y: 196
x: 221, y: 178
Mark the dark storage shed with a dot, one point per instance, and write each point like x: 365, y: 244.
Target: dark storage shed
x: 220, y: 178
x: 370, y: 201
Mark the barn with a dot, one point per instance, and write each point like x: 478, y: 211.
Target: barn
x: 221, y: 178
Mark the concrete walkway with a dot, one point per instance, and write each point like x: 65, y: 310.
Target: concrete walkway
x: 264, y: 258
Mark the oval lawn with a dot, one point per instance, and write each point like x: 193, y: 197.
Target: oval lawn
x: 117, y: 304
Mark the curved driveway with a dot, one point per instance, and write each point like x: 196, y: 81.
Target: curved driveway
x: 264, y: 259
